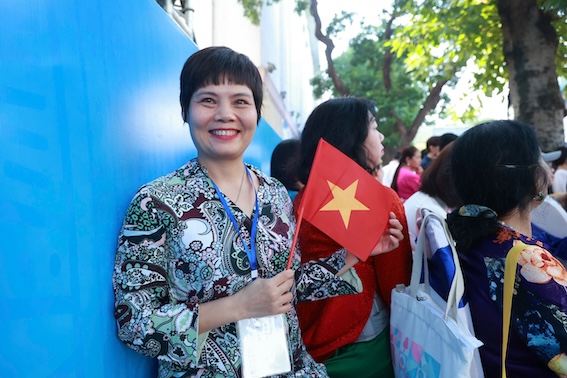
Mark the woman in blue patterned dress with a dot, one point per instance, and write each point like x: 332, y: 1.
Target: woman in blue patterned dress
x: 193, y: 241
x: 500, y: 176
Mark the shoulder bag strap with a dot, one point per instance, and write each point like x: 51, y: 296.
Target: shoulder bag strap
x: 509, y: 278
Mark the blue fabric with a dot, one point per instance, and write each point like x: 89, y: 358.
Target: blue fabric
x: 441, y: 264
x: 537, y: 333
x: 442, y: 271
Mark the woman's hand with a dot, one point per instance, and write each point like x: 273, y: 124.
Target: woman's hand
x: 264, y: 297
x: 390, y: 240
x: 261, y: 297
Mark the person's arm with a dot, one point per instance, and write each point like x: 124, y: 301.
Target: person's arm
x: 320, y: 277
x: 261, y: 297
x: 414, y: 181
x: 146, y: 315
x: 316, y: 274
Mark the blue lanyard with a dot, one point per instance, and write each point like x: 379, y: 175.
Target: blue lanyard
x: 250, y: 251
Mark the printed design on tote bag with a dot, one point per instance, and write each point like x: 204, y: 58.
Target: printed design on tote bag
x: 409, y: 357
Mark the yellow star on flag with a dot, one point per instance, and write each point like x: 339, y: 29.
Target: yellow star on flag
x: 344, y: 201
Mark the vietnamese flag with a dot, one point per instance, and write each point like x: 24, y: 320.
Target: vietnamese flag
x: 345, y: 202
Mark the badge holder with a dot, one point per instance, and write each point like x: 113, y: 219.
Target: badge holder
x: 263, y: 341
x: 264, y: 346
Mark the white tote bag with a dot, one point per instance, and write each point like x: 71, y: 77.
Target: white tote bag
x: 429, y: 340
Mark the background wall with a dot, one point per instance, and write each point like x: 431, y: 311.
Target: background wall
x: 89, y: 111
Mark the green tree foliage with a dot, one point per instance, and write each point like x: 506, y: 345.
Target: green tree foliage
x: 361, y: 68
x: 432, y: 43
x: 461, y: 32
x: 458, y: 31
x: 369, y: 70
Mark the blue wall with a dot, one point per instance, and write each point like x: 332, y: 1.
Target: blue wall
x: 88, y: 112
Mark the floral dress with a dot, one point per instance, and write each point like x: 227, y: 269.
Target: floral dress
x: 538, y: 336
x: 178, y: 248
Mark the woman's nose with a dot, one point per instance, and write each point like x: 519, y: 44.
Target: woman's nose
x: 225, y: 112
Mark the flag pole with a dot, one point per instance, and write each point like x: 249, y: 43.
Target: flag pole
x: 296, y: 233
x: 301, y: 208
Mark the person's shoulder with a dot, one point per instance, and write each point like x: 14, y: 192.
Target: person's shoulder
x: 260, y: 174
x: 417, y: 199
x: 391, y: 192
x: 397, y: 202
x: 264, y: 178
x: 405, y: 171
x: 267, y: 182
x: 181, y: 176
x: 420, y: 200
x: 393, y: 164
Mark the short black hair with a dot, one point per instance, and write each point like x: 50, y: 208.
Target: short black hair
x: 436, y: 179
x: 433, y: 141
x: 341, y: 122
x: 446, y: 138
x: 215, y: 65
x: 283, y: 164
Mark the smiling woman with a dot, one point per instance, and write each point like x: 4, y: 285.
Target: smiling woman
x: 222, y: 120
x: 205, y: 247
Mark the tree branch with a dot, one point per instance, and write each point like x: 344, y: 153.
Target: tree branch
x: 387, y: 63
x: 331, y: 71
x: 429, y: 104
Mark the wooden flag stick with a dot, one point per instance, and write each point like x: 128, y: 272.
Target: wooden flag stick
x: 297, y: 225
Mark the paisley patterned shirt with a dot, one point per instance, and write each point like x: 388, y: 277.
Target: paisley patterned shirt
x: 178, y: 249
x: 538, y: 334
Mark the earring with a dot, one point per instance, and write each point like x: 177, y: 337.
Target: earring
x: 539, y: 197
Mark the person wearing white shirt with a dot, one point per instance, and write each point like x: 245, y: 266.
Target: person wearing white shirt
x: 436, y: 193
x: 390, y: 169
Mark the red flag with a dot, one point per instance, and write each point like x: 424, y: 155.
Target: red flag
x: 345, y: 202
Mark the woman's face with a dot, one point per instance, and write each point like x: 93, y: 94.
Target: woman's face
x: 415, y: 161
x: 222, y: 121
x: 373, y: 142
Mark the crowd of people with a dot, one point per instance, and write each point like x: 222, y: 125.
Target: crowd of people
x: 206, y: 247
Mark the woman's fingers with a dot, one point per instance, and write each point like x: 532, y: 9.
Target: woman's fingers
x: 270, y: 296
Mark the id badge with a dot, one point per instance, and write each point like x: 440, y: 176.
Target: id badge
x: 264, y: 346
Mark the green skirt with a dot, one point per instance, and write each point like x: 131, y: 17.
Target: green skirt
x: 366, y: 359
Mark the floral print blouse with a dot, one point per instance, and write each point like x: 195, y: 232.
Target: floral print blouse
x: 178, y: 248
x: 538, y: 333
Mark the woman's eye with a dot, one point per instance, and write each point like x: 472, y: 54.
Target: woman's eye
x: 241, y: 102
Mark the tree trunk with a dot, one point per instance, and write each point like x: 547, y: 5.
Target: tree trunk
x: 530, y: 47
